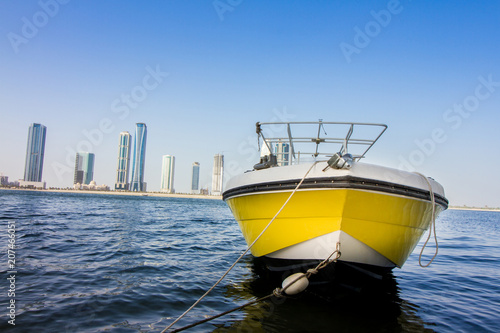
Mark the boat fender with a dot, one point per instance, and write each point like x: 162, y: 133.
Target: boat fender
x: 295, y: 283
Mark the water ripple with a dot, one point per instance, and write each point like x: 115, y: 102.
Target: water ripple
x: 100, y: 263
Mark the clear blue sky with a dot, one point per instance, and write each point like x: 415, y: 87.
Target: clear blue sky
x: 220, y: 66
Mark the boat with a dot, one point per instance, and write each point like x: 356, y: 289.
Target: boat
x: 312, y: 195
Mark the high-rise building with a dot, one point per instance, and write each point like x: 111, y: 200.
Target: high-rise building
x: 122, y: 171
x: 195, y: 179
x: 217, y: 175
x: 84, y: 168
x: 4, y: 180
x: 167, y: 174
x: 34, y: 153
x: 138, y: 162
x: 282, y: 152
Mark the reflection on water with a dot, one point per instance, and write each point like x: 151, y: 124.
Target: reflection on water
x: 351, y: 301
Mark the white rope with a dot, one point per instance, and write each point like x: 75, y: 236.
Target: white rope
x: 245, y: 252
x: 278, y: 292
x: 433, y: 225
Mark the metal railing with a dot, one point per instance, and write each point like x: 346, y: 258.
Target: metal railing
x: 353, y: 138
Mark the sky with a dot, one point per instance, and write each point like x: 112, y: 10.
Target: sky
x: 200, y: 74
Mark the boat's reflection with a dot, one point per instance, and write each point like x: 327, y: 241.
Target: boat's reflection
x: 351, y: 303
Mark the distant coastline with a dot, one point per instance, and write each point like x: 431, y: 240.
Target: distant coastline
x: 194, y: 196
x: 137, y: 194
x: 485, y: 209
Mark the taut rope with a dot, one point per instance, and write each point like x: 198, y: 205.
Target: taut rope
x: 245, y: 252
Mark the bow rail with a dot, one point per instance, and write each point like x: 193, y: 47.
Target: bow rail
x: 288, y: 142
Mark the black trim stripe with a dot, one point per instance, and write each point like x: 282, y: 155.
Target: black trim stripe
x: 344, y: 182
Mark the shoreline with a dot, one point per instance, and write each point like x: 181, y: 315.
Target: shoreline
x: 186, y: 195
x: 476, y: 209
x: 137, y: 194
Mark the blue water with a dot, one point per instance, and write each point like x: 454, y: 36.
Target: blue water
x: 103, y: 263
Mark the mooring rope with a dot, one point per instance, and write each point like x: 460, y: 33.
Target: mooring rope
x: 245, y: 252
x: 221, y: 314
x: 433, y: 225
x: 278, y: 292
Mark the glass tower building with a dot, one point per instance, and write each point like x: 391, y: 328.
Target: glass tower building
x: 195, y: 179
x: 217, y: 175
x: 167, y: 174
x: 84, y: 168
x: 122, y: 170
x: 282, y: 152
x: 34, y: 153
x: 138, y: 161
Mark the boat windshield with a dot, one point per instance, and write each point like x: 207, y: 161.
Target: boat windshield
x: 295, y: 142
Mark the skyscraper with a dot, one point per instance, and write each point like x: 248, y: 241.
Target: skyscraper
x: 195, y: 179
x: 34, y: 153
x: 84, y: 168
x: 138, y: 161
x: 167, y: 174
x: 282, y: 152
x: 122, y: 171
x: 217, y: 175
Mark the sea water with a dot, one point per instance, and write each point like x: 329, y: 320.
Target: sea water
x: 110, y: 263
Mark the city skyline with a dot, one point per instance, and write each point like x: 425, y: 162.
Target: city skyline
x: 83, y: 171
x: 139, y: 158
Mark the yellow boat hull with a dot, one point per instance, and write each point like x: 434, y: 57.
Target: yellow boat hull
x: 388, y: 225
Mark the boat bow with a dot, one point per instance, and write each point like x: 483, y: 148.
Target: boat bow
x: 378, y: 214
